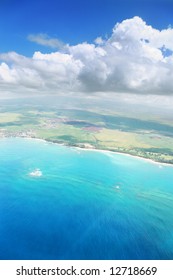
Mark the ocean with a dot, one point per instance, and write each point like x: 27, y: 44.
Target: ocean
x: 62, y: 203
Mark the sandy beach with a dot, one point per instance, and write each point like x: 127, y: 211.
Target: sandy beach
x: 125, y: 154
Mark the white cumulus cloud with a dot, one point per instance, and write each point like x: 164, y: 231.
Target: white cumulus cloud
x: 136, y: 58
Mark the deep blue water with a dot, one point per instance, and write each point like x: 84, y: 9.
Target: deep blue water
x: 75, y: 209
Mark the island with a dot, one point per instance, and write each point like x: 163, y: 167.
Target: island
x: 145, y: 136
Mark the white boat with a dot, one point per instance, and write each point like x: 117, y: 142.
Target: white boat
x: 36, y: 173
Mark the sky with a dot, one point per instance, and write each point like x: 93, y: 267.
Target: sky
x: 75, y: 46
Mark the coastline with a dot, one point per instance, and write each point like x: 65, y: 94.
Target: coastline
x: 125, y: 154
x: 95, y: 150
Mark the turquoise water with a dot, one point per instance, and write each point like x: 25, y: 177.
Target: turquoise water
x: 86, y: 204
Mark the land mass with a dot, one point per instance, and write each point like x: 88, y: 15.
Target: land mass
x: 143, y: 136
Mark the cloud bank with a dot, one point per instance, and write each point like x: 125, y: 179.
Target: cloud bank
x: 136, y: 58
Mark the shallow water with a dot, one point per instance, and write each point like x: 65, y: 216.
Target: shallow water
x: 86, y: 204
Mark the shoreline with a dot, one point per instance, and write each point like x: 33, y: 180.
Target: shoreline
x: 125, y: 154
x: 95, y: 150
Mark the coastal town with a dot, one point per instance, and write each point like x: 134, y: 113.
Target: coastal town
x: 23, y: 134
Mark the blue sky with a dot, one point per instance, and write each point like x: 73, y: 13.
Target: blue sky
x: 73, y: 21
x: 86, y: 47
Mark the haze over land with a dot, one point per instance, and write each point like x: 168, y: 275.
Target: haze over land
x: 116, y: 125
